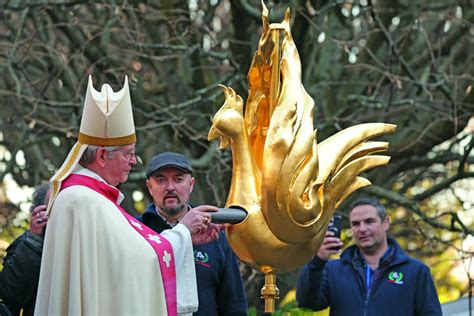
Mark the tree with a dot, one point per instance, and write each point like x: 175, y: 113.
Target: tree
x: 401, y: 62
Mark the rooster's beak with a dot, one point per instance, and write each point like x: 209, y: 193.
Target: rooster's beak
x: 213, y: 133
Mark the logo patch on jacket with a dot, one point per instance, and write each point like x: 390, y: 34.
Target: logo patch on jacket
x: 201, y: 258
x: 395, y: 277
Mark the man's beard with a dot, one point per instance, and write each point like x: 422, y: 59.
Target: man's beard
x: 173, y: 211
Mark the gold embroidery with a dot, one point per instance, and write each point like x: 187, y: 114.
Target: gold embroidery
x: 116, y: 141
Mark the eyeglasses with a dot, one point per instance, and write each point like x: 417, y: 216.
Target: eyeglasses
x: 128, y: 154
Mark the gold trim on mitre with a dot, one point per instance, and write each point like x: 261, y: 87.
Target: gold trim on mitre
x: 118, y: 141
x: 107, y: 120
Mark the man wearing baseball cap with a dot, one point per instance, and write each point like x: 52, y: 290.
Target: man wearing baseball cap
x: 220, y: 287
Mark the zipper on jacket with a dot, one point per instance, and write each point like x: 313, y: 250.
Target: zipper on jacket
x: 367, y: 302
x: 368, y: 286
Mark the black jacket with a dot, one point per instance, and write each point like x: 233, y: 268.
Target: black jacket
x: 20, y: 275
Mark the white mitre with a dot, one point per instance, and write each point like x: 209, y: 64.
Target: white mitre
x: 107, y: 120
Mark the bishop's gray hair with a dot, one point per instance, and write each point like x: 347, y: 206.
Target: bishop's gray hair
x: 89, y: 154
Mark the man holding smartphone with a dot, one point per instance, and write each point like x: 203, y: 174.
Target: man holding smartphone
x: 372, y: 277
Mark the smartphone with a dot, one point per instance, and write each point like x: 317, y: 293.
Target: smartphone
x: 335, y: 226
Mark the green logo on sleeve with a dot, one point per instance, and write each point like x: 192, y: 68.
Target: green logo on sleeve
x: 201, y: 257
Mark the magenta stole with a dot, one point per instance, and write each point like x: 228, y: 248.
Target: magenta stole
x: 162, y: 247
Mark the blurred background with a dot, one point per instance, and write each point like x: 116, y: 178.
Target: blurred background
x: 407, y: 62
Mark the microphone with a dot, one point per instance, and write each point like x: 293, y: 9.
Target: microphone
x: 228, y: 216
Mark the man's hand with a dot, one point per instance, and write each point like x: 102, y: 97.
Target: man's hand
x: 197, y: 219
x: 38, y: 220
x: 331, y: 245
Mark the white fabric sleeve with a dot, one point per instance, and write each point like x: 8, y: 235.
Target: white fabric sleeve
x: 186, y: 286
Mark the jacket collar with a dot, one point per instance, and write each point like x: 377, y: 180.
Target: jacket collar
x: 393, y: 256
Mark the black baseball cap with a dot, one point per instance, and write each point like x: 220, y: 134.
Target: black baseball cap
x: 168, y: 159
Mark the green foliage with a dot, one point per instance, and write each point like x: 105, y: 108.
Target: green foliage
x: 291, y: 309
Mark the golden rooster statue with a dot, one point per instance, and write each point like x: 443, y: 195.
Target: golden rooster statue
x: 288, y: 184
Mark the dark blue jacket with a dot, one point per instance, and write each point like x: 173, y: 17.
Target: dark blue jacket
x: 401, y: 286
x: 220, y: 286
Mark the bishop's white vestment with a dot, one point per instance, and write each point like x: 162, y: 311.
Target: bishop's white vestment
x: 95, y: 262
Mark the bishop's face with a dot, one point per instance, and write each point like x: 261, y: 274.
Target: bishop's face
x: 118, y: 163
